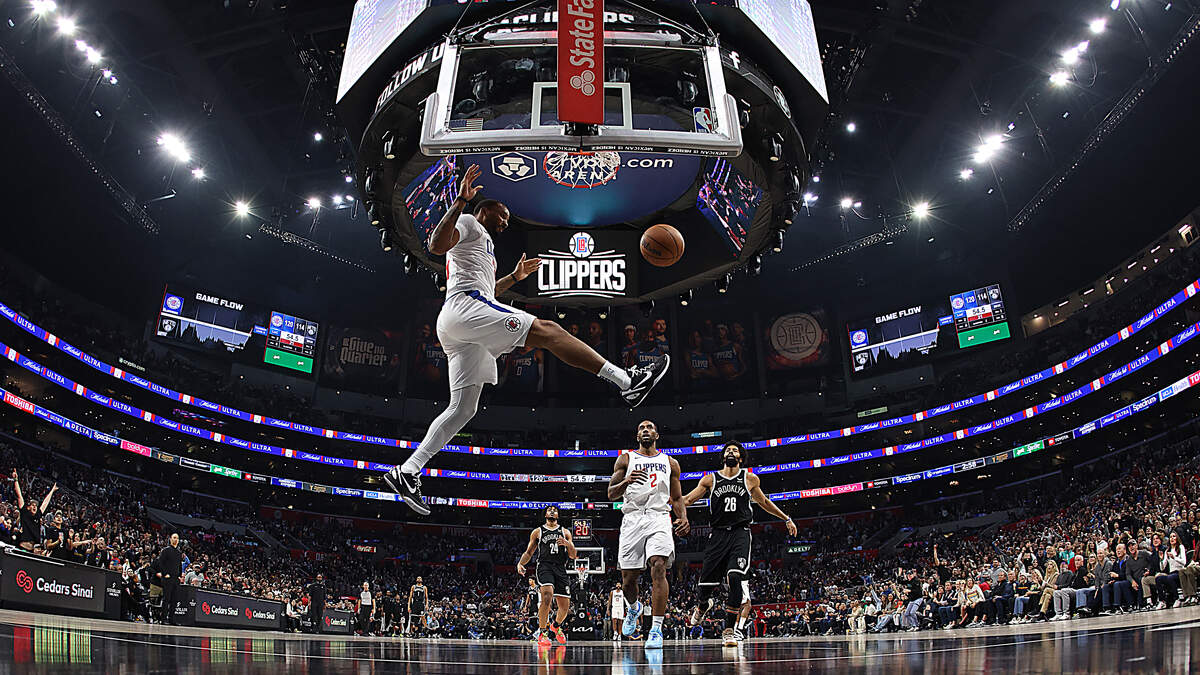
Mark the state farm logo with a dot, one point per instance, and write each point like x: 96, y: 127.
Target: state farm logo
x: 514, y: 166
x: 582, y: 169
x: 584, y: 82
x: 24, y: 581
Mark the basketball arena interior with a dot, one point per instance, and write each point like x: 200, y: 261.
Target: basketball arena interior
x: 449, y: 336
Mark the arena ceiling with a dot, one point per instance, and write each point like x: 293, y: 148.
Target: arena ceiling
x: 249, y: 82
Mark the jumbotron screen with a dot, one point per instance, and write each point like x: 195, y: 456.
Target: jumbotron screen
x: 789, y: 25
x: 901, y: 338
x: 203, y: 320
x: 728, y: 200
x: 374, y: 25
x: 291, y: 342
x: 979, y: 316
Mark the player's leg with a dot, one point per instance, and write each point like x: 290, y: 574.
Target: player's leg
x: 660, y: 589
x: 711, y: 571
x: 562, y: 597
x: 634, y: 383
x: 405, y: 479
x: 564, y: 607
x: 737, y: 561
x: 545, y: 598
x: 633, y: 606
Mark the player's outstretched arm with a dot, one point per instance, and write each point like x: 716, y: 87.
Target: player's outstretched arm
x: 682, y: 526
x: 699, y: 491
x: 529, y: 551
x: 445, y: 235
x: 767, y: 505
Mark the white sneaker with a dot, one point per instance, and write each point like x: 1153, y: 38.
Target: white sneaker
x: 1160, y: 605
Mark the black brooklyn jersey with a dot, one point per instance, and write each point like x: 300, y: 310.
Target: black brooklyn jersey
x: 729, y: 506
x: 418, y: 595
x: 549, y: 551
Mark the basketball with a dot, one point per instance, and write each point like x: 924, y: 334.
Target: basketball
x: 662, y: 245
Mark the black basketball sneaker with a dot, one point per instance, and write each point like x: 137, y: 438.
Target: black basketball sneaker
x: 408, y: 486
x: 643, y: 379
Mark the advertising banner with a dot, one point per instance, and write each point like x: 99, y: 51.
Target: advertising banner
x: 220, y: 610
x: 47, y: 585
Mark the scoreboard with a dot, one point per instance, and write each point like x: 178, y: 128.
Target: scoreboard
x: 979, y: 316
x: 291, y: 342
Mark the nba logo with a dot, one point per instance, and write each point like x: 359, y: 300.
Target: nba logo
x: 582, y: 245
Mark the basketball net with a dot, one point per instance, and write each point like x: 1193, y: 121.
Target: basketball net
x: 582, y: 567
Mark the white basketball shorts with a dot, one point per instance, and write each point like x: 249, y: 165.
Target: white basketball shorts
x: 475, y: 330
x: 645, y: 534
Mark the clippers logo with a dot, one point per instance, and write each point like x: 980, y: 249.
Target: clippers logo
x: 581, y: 270
x: 276, y: 320
x: 513, y: 324
x: 514, y: 166
x: 173, y: 303
x: 582, y: 245
x: 24, y: 581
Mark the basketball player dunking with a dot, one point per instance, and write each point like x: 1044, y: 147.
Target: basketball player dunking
x: 648, y: 482
x: 475, y: 329
x: 553, y: 545
x: 728, y: 553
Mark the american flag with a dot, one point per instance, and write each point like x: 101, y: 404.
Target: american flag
x: 473, y: 124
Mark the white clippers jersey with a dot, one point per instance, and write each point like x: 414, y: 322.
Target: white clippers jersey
x: 471, y: 263
x: 653, y: 493
x: 616, y: 602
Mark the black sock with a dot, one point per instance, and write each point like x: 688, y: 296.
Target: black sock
x: 731, y: 618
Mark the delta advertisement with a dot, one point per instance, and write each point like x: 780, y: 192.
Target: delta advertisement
x: 42, y: 584
x: 208, y: 608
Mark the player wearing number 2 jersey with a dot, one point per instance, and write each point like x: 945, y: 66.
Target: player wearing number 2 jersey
x: 553, y: 545
x: 475, y: 329
x: 727, y: 556
x: 648, y: 482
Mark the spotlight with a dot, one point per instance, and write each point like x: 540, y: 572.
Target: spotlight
x: 175, y: 147
x: 41, y: 7
x: 562, y: 314
x: 198, y: 173
x: 789, y: 212
x: 816, y: 178
x: 318, y: 136
x: 793, y: 183
x: 858, y: 205
x: 1097, y: 26
x: 920, y: 210
x: 604, y: 313
x: 81, y: 45
x: 1114, y: 5
x: 809, y: 198
x: 1060, y: 78
x: 106, y: 73
x: 966, y: 174
x: 349, y: 178
x: 371, y: 183
x: 386, y: 240
x: 112, y: 80
x: 389, y: 144
x: 314, y: 203
x: 777, y: 245
x: 755, y: 266
x: 685, y: 298
x: 374, y: 214
x: 241, y: 208
x: 774, y: 148
x: 66, y: 25
x: 991, y: 145
x: 1082, y: 47
x: 93, y: 56
x: 647, y: 307
x: 847, y: 202
x: 408, y: 263
x: 1070, y: 57
x: 349, y: 198
x: 337, y: 199
x: 851, y: 127
x: 723, y: 283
